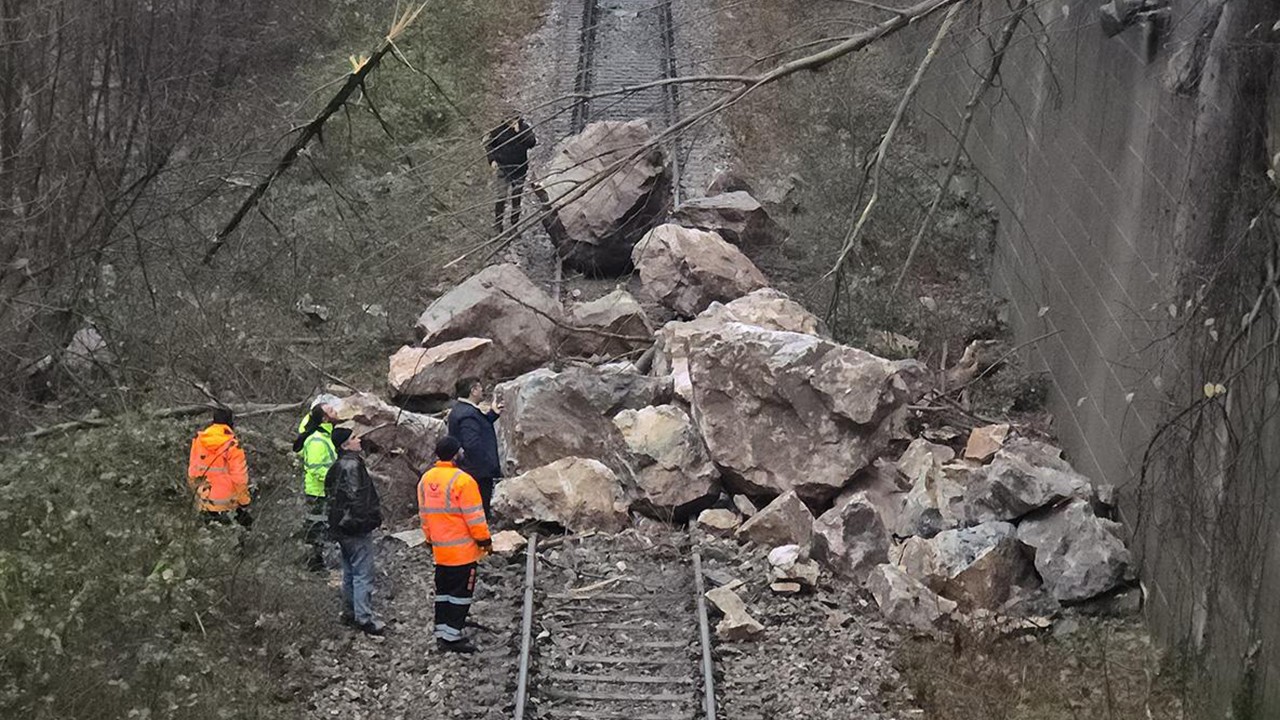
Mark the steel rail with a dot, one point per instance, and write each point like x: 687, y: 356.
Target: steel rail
x: 526, y: 627
x: 704, y: 629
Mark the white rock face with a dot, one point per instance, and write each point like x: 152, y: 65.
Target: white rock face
x: 675, y: 474
x: 576, y: 493
x: 596, y: 230
x: 687, y: 270
x: 783, y: 411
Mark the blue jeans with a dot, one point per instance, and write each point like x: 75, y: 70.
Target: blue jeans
x: 357, y: 576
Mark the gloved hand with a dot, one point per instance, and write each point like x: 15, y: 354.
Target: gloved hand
x: 486, y: 547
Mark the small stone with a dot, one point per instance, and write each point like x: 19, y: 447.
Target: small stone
x: 785, y: 521
x: 508, y: 542
x: 744, y: 506
x: 737, y: 623
x: 785, y: 587
x: 718, y: 522
x: 985, y: 441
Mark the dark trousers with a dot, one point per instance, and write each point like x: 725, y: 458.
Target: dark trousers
x: 314, y: 530
x: 486, y: 496
x: 508, y: 186
x: 240, y: 515
x: 454, y: 587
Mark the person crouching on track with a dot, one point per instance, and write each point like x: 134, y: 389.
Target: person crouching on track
x: 453, y: 522
x: 354, y: 513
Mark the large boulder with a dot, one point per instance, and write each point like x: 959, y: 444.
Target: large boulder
x: 433, y: 372
x: 882, y: 485
x: 676, y: 476
x: 607, y: 327
x: 595, y: 229
x: 978, y: 567
x: 687, y: 270
x: 499, y: 303
x: 735, y: 216
x: 577, y: 493
x: 548, y: 416
x: 851, y: 539
x: 1078, y: 554
x: 785, y: 521
x: 1025, y: 475
x: 766, y: 308
x: 399, y: 445
x: 783, y: 411
x: 615, y: 387
x: 904, y: 600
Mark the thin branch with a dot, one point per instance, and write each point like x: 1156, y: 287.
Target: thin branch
x: 887, y: 140
x: 313, y: 129
x: 241, y: 411
x: 997, y: 58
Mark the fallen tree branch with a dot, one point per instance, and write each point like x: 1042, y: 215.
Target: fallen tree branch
x: 577, y: 328
x: 856, y: 231
x: 242, y: 411
x: 993, y: 69
x: 314, y: 128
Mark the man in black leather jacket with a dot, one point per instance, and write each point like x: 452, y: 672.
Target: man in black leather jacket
x: 354, y: 513
x: 507, y: 149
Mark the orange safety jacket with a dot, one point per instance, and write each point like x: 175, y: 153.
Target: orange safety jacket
x: 452, y: 514
x: 216, y: 471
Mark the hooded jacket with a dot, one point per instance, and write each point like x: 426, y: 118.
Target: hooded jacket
x: 216, y: 470
x: 474, y: 429
x: 354, y: 507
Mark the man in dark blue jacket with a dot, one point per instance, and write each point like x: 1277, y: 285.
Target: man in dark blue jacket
x: 474, y: 428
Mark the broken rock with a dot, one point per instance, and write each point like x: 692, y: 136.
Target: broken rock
x: 610, y: 326
x: 508, y: 542
x: 718, y: 522
x: 577, y: 493
x: 595, y: 230
x: 737, y: 623
x: 985, y: 441
x: 499, y: 303
x: 782, y: 411
x: 785, y: 521
x: 735, y: 216
x: 676, y: 475
x: 549, y: 417
x: 788, y: 564
x: 904, y: 600
x: 766, y: 308
x: 1024, y: 476
x: 434, y: 371
x: 1079, y: 554
x: 851, y: 539
x: 687, y: 270
x: 978, y: 567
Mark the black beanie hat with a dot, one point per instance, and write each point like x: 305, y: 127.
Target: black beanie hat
x: 341, y: 436
x: 224, y: 416
x: 447, y: 448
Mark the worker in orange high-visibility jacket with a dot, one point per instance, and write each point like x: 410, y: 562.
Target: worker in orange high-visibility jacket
x: 217, y: 473
x: 454, y: 524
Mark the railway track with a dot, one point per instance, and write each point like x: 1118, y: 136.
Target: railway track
x: 626, y: 43
x: 615, y: 628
